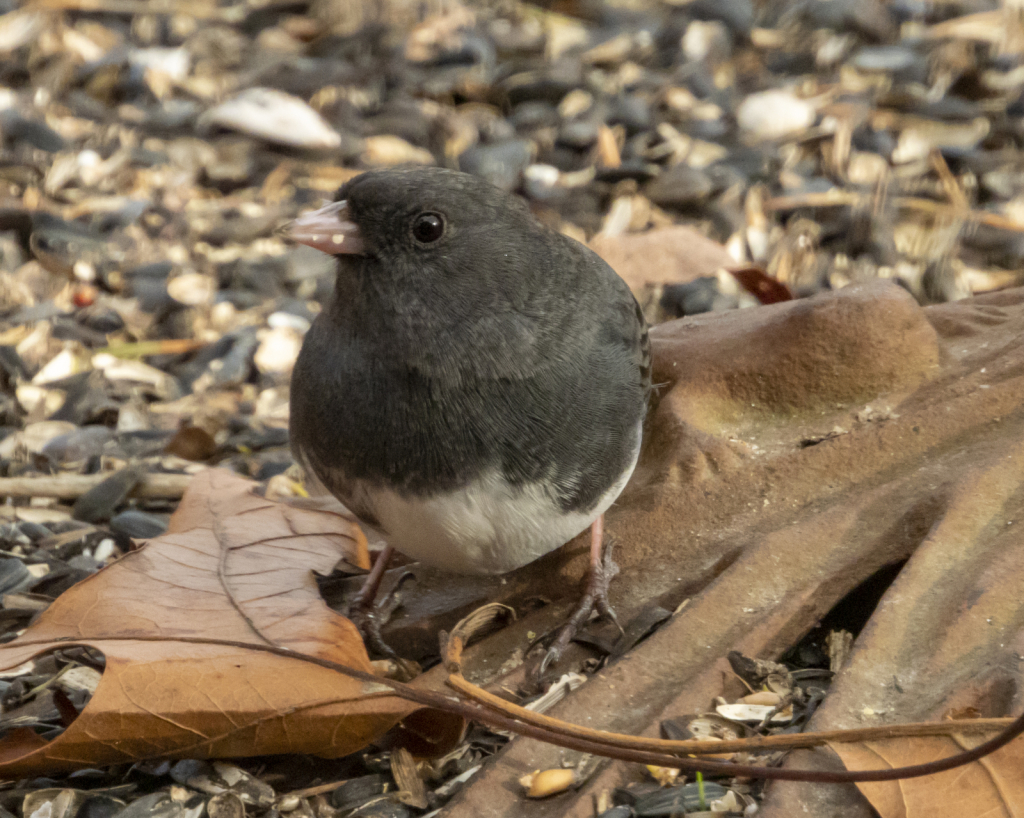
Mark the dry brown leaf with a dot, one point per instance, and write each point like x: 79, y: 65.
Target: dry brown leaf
x: 232, y: 566
x: 992, y: 786
x: 668, y: 255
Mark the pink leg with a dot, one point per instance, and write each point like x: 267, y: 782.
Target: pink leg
x: 595, y: 596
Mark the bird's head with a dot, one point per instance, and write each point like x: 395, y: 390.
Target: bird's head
x: 419, y: 215
x: 449, y: 265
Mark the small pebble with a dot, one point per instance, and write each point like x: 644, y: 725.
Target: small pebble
x: 680, y: 186
x: 135, y: 524
x: 502, y: 165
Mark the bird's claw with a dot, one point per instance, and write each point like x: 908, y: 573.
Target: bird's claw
x: 370, y: 614
x: 595, y: 598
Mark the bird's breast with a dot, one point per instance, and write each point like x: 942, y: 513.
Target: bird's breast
x: 486, y: 527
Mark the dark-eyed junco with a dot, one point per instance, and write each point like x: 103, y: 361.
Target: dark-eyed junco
x: 477, y: 386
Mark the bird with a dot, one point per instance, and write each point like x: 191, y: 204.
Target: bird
x: 475, y: 388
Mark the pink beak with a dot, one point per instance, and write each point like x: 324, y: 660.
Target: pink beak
x: 329, y: 230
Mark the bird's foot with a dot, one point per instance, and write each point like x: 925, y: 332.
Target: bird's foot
x: 369, y: 615
x: 595, y: 598
x: 370, y: 610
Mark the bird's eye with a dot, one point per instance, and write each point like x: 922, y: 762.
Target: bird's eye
x: 428, y: 227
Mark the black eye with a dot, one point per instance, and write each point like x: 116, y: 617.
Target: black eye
x: 428, y: 227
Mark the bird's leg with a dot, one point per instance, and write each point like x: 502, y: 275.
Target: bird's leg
x: 369, y: 615
x: 595, y: 596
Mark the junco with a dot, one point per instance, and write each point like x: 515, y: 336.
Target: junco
x: 476, y: 388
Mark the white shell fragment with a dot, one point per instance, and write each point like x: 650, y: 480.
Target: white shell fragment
x: 278, y: 350
x: 192, y: 289
x: 34, y: 437
x: 62, y: 365
x: 763, y: 697
x: 227, y: 778
x: 753, y: 713
x: 19, y: 28
x: 282, y: 320
x: 274, y: 116
x: 730, y: 802
x: 118, y: 369
x: 558, y: 691
x: 386, y: 150
x: 866, y: 168
x: 174, y: 62
x: 80, y: 677
x: 775, y: 114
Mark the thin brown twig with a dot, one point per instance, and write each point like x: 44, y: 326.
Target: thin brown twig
x: 466, y: 628
x: 604, y: 747
x: 795, y: 741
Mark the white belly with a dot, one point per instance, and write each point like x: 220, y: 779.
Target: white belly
x: 489, y: 527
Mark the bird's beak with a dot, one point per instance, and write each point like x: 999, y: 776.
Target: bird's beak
x: 329, y: 230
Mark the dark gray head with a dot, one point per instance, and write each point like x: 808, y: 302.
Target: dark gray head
x: 427, y: 214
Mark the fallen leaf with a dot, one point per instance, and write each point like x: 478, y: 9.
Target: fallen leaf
x: 668, y: 255
x: 991, y: 786
x: 232, y: 566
